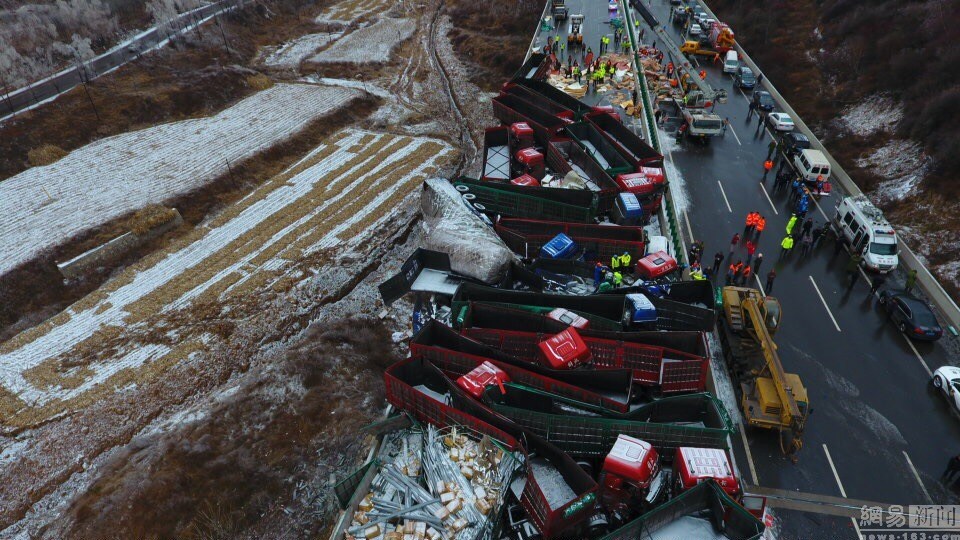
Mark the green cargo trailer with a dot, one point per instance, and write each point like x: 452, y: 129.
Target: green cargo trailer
x: 529, y: 202
x: 584, y: 431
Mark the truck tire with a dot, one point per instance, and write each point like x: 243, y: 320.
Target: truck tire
x: 479, y: 207
x: 469, y: 197
x: 462, y: 188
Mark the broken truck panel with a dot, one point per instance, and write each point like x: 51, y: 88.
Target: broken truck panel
x: 598, y: 147
x: 579, y: 108
x: 510, y: 109
x: 535, y: 68
x: 634, y: 148
x: 565, y: 155
x: 424, y: 271
x: 599, y: 242
x: 496, y: 154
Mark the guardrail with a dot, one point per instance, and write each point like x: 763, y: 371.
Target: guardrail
x: 536, y: 33
x: 668, y: 212
x: 908, y: 259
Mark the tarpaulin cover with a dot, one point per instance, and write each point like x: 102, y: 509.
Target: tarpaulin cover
x: 451, y: 227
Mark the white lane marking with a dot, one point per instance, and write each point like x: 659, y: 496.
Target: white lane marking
x: 734, y: 134
x: 917, y: 476
x: 769, y: 200
x: 842, y: 491
x: 724, y: 196
x: 689, y: 228
x: 746, y: 447
x: 759, y: 284
x: 825, y: 306
x: 920, y: 358
x: 743, y: 94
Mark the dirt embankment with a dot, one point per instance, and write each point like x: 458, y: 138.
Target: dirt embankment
x: 221, y: 474
x: 492, y: 37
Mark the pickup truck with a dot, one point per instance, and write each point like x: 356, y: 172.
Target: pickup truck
x: 701, y: 124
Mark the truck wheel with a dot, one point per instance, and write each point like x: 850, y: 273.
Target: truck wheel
x: 479, y: 207
x: 462, y: 188
x: 469, y: 196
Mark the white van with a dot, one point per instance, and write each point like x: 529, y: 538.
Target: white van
x: 862, y: 226
x: 812, y: 164
x: 731, y: 63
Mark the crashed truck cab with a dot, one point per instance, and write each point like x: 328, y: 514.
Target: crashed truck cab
x: 631, y: 482
x: 639, y: 310
x: 692, y: 466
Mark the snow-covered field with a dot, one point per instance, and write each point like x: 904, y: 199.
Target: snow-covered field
x: 903, y: 163
x: 370, y: 44
x: 44, y: 206
x: 347, y: 11
x: 876, y: 113
x: 289, y: 55
x: 139, y: 324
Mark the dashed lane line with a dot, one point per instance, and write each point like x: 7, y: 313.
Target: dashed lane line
x: 917, y: 476
x: 825, y: 306
x: 917, y: 354
x: 760, y: 284
x: 843, y: 492
x: 724, y: 196
x: 769, y: 200
x: 734, y: 134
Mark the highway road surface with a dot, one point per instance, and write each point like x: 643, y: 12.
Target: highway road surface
x: 878, y: 432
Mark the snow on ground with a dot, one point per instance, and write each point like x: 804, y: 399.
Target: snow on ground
x: 290, y: 54
x: 903, y: 163
x: 678, y: 186
x: 120, y: 174
x: 721, y: 379
x: 347, y: 11
x: 346, y: 188
x: 876, y: 113
x: 369, y: 44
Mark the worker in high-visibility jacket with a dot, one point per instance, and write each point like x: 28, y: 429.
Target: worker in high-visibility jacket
x: 791, y: 224
x: 786, y: 245
x: 615, y: 262
x: 697, y: 274
x: 617, y: 280
x: 625, y: 262
x: 760, y: 226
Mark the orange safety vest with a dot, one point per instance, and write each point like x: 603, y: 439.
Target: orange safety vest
x: 737, y: 268
x: 767, y: 165
x: 751, y: 219
x: 746, y: 272
x: 761, y: 224
x: 703, y: 74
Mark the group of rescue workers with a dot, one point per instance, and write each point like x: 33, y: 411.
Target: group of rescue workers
x: 611, y: 277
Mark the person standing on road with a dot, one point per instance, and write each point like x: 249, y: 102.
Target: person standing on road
x: 748, y: 223
x: 745, y: 276
x: 854, y: 276
x: 877, y: 282
x: 756, y: 263
x: 807, y: 226
x: 760, y: 226
x: 853, y: 265
x: 817, y: 234
x: 751, y: 109
x: 772, y: 275
x: 952, y: 473
x: 770, y: 148
x: 786, y: 245
x: 806, y: 244
x: 911, y: 280
x: 734, y: 242
x: 731, y: 273
x: 726, y: 122
x: 717, y: 261
x: 759, y: 78
x: 791, y: 223
x: 751, y: 249
x: 767, y: 165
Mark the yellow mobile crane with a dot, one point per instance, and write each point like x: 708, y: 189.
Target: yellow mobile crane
x: 770, y: 398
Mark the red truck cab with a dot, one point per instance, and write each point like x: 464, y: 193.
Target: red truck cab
x: 656, y: 265
x: 482, y: 376
x: 565, y: 350
x: 631, y: 480
x: 692, y: 466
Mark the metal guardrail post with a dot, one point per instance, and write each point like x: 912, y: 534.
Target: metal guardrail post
x: 668, y: 213
x: 908, y: 259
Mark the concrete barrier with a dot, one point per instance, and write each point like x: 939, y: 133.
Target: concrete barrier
x: 114, y: 250
x: 908, y: 259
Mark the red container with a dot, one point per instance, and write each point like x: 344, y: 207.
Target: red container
x: 525, y: 180
x: 633, y: 460
x: 481, y: 377
x: 531, y: 162
x: 565, y: 350
x: 569, y: 318
x: 692, y: 466
x: 521, y: 135
x: 637, y: 183
x: 655, y: 174
x: 656, y: 265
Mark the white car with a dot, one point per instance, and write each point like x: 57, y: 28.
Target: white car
x: 695, y: 30
x: 780, y: 121
x: 947, y: 380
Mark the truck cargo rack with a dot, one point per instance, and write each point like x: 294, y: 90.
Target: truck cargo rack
x: 697, y: 420
x: 526, y: 237
x: 631, y: 145
x: 707, y: 500
x: 535, y: 68
x: 565, y: 155
x: 599, y: 148
x: 579, y: 108
x: 496, y: 154
x: 510, y: 109
x: 531, y: 202
x: 668, y: 370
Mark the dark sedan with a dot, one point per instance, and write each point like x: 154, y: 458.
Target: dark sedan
x: 911, y: 315
x: 763, y: 101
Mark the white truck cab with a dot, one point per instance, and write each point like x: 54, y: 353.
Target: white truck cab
x: 812, y: 164
x: 862, y: 226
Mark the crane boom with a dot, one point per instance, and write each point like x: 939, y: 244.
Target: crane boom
x: 790, y: 413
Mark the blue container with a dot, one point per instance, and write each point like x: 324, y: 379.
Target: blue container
x: 629, y: 211
x: 643, y: 310
x: 560, y: 247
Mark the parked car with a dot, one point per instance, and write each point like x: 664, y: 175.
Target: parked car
x: 745, y: 78
x: 793, y: 142
x: 911, y: 315
x: 780, y: 121
x: 947, y: 380
x: 763, y: 101
x: 695, y: 30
